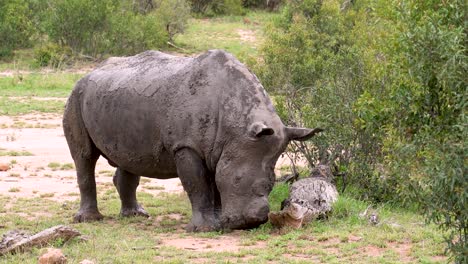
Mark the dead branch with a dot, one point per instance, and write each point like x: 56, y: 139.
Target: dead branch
x: 40, y: 239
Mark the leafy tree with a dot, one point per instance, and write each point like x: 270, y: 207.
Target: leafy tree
x: 387, y: 81
x: 173, y: 14
x: 16, y: 26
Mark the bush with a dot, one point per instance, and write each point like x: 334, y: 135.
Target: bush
x: 387, y: 81
x: 53, y: 55
x: 131, y: 33
x: 79, y: 24
x: 312, y: 58
x: 228, y: 7
x: 173, y: 14
x: 218, y: 7
x: 16, y: 26
x: 97, y: 28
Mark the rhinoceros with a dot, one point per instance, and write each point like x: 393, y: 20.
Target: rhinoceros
x: 204, y: 119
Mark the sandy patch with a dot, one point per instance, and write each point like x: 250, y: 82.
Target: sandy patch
x: 247, y: 35
x: 224, y: 243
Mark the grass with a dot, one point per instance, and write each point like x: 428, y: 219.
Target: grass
x: 328, y: 241
x: 23, y: 60
x: 57, y: 84
x: 58, y: 166
x: 14, y: 153
x: 225, y: 33
x: 14, y: 189
x: 13, y: 106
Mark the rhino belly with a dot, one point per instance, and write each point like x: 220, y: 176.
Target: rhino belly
x: 127, y: 132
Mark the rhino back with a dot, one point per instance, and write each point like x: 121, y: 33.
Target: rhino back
x: 133, y: 108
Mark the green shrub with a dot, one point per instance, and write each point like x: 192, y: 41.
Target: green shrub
x: 218, y: 7
x: 53, y: 55
x: 79, y: 24
x: 228, y: 7
x: 314, y: 59
x: 16, y: 26
x: 97, y: 28
x: 173, y: 14
x: 131, y: 33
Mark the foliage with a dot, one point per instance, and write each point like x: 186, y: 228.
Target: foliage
x: 131, y: 33
x: 173, y: 14
x: 314, y: 59
x: 227, y: 7
x: 50, y: 54
x: 218, y: 7
x: 79, y: 24
x: 427, y: 117
x: 386, y: 80
x: 97, y: 28
x: 16, y: 26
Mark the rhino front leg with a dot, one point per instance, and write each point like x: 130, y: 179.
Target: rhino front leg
x: 199, y: 187
x: 126, y: 184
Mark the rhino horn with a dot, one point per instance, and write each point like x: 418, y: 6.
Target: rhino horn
x: 301, y: 134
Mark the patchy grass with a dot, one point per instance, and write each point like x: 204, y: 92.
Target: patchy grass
x: 238, y: 35
x: 14, y: 153
x: 343, y: 238
x: 58, y: 166
x: 15, y: 189
x: 14, y: 174
x: 14, y: 106
x: 57, y: 84
x: 46, y: 195
x: 53, y: 165
x: 23, y: 60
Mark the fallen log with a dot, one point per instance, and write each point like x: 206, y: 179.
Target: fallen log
x: 17, y: 241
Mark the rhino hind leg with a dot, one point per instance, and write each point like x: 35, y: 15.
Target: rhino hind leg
x: 85, y: 155
x: 201, y: 189
x: 126, y: 184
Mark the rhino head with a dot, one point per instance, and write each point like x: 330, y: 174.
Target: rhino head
x: 245, y: 173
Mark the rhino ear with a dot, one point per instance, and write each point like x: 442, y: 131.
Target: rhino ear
x: 301, y: 134
x: 259, y: 129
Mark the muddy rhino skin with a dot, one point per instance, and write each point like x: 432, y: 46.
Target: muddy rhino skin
x: 206, y: 120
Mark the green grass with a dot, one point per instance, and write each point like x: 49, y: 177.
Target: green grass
x: 14, y: 190
x: 57, y: 166
x: 57, y: 84
x: 13, y: 106
x: 328, y: 241
x: 23, y: 60
x: 14, y: 153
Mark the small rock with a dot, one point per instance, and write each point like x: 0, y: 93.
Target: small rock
x: 4, y: 166
x: 87, y: 261
x: 374, y: 219
x: 53, y: 256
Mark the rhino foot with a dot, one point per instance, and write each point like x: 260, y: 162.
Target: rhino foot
x: 130, y: 212
x: 87, y: 216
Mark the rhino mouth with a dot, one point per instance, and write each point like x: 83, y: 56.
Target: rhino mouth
x: 240, y: 222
